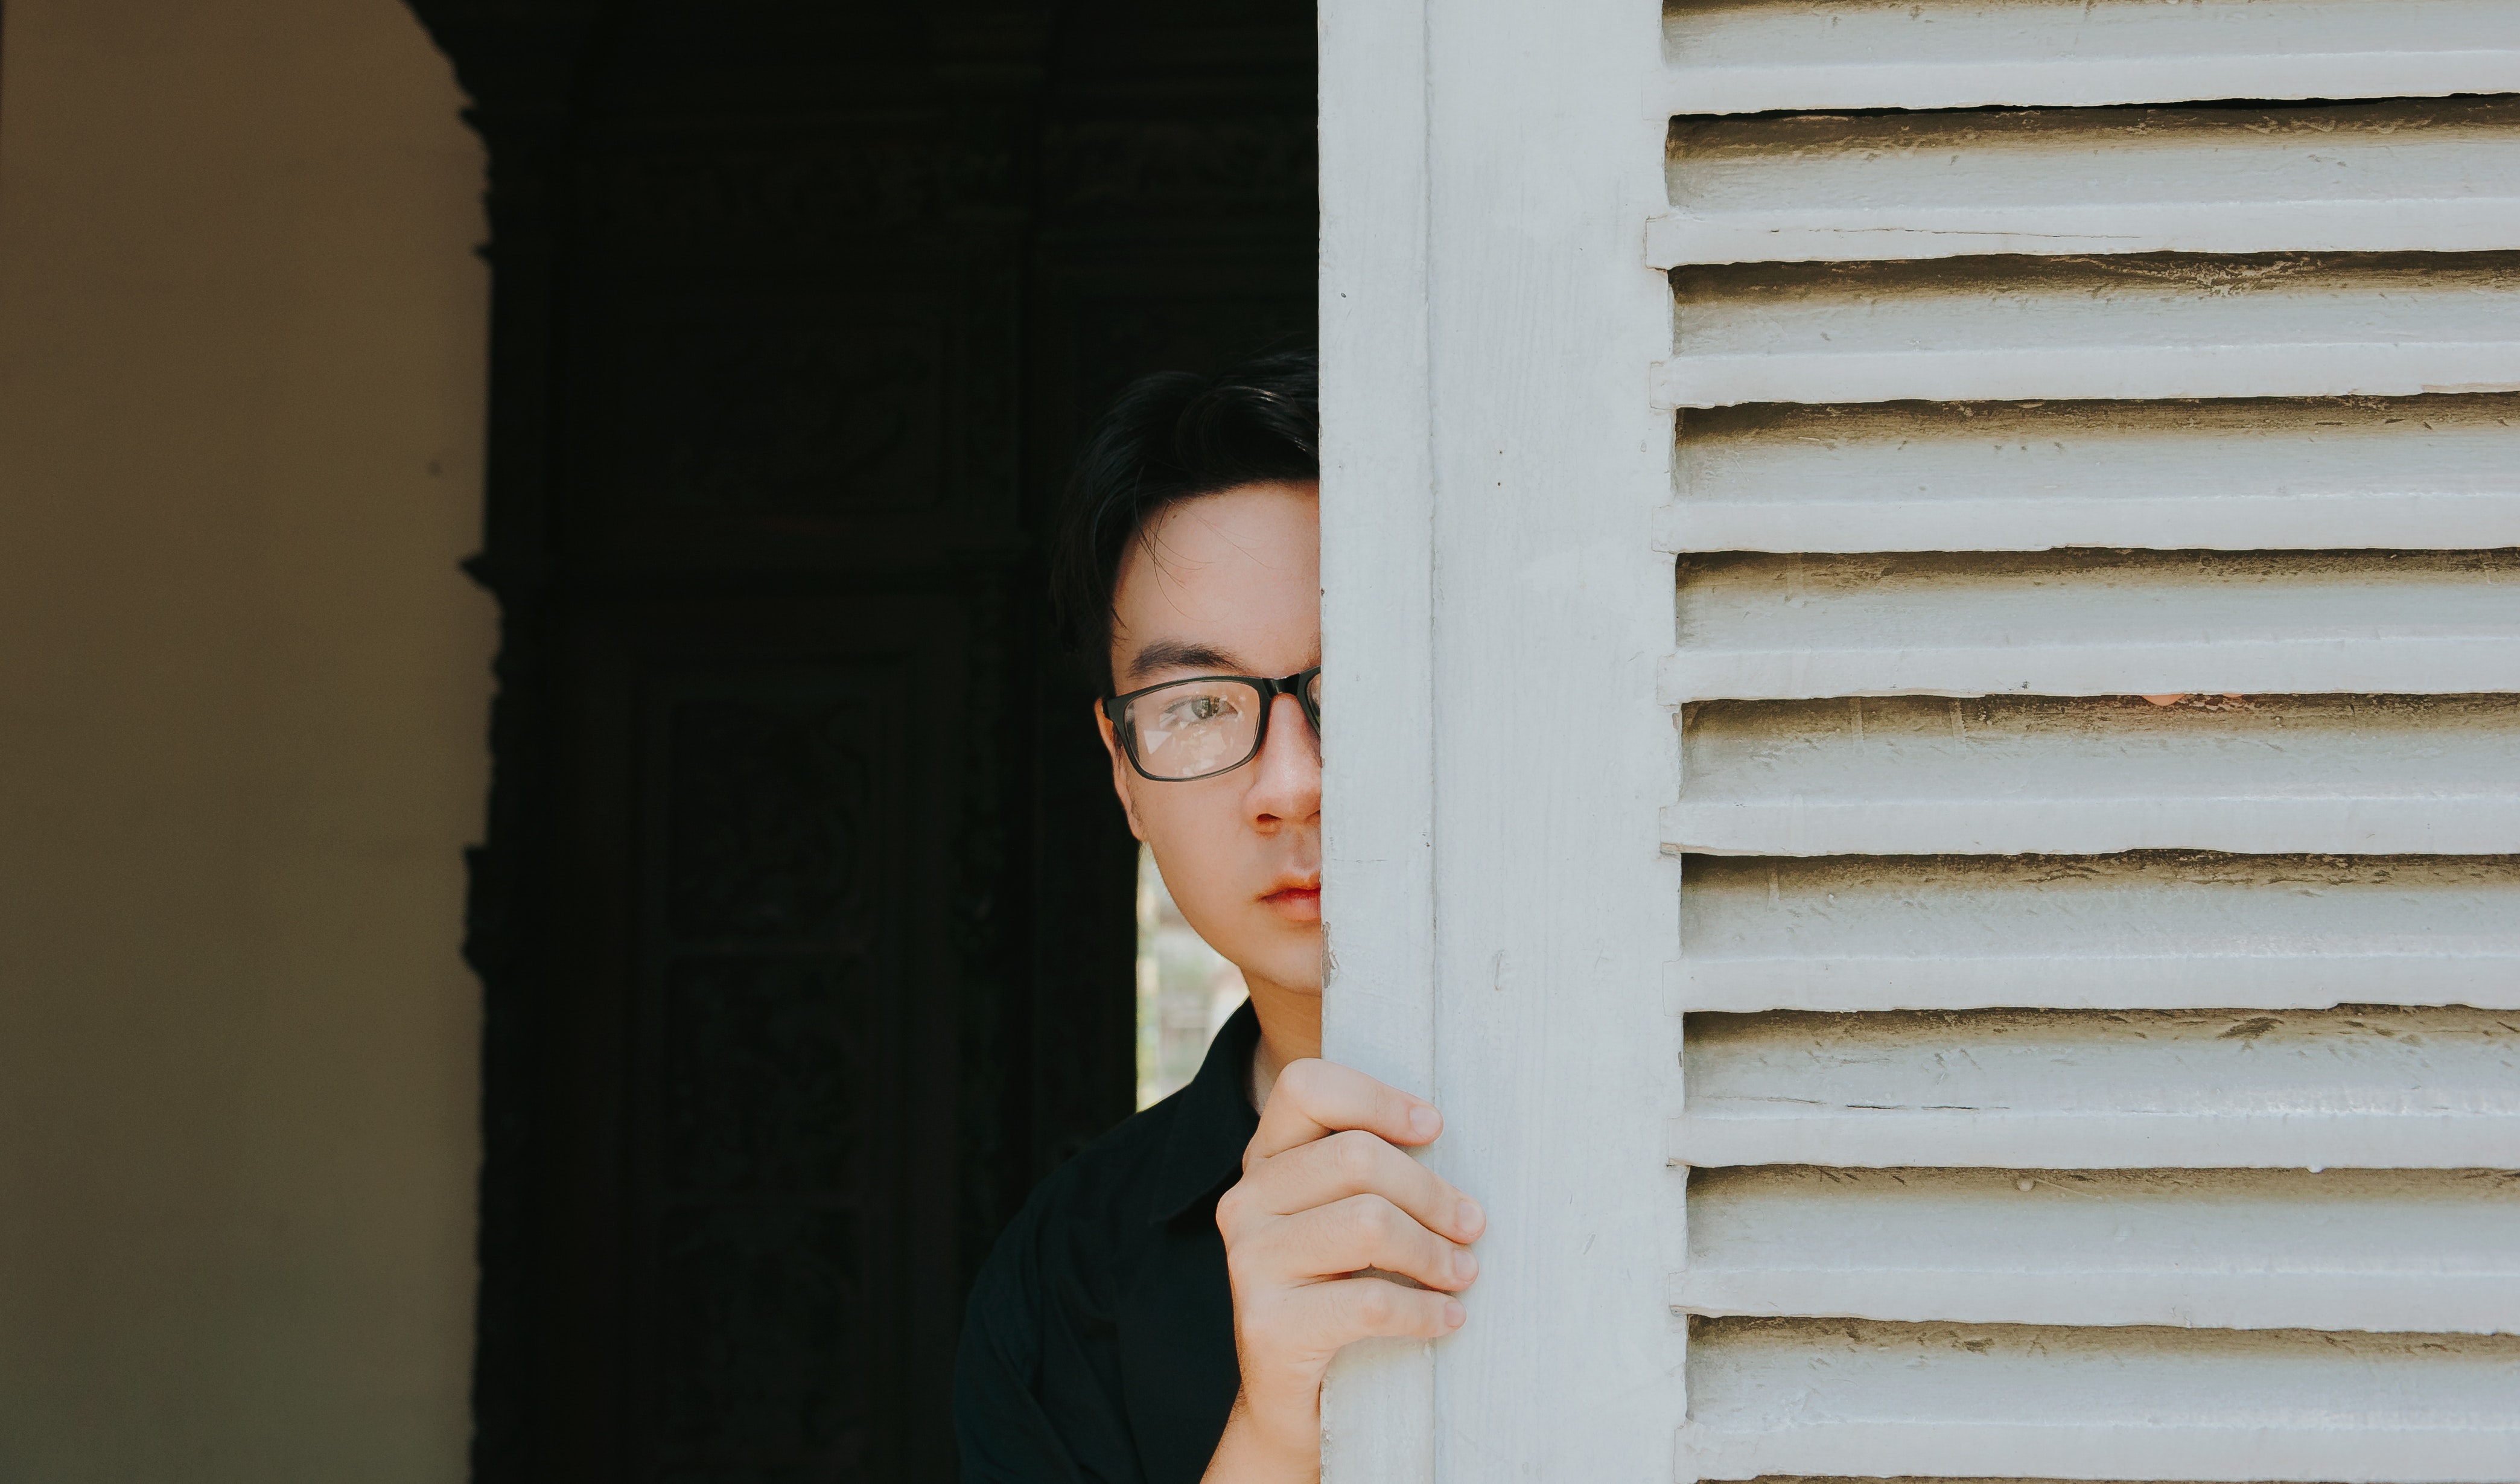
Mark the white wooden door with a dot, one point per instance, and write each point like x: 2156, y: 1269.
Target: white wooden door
x: 1774, y: 449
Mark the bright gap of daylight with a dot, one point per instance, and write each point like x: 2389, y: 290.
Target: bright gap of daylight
x: 1185, y: 990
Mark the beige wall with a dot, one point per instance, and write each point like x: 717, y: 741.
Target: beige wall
x: 243, y: 695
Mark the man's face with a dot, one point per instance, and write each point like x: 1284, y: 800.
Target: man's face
x: 1230, y: 584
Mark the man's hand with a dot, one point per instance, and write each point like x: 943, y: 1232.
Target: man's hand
x: 1325, y: 1198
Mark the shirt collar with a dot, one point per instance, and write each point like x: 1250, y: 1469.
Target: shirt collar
x: 1212, y: 1121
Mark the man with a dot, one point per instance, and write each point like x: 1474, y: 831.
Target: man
x: 1166, y: 1303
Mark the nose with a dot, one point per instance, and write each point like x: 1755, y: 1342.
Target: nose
x: 1287, y: 776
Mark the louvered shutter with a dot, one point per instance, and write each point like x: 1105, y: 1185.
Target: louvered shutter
x: 2065, y: 1084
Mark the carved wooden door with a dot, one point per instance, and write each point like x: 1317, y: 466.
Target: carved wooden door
x: 805, y: 919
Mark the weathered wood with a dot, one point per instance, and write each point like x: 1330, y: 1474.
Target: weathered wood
x: 1756, y: 626
x: 2270, y: 353
x: 2249, y: 1250
x: 1839, y: 1397
x: 2408, y: 472
x: 1752, y: 55
x: 2138, y: 325
x: 2398, y: 176
x: 1378, y: 577
x: 2145, y: 930
x: 2265, y: 775
x: 2358, y: 1086
x: 1555, y: 1049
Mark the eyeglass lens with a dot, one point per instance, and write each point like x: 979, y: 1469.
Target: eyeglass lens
x: 1196, y: 728
x: 1201, y: 727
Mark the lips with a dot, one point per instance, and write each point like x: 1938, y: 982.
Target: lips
x: 1297, y: 899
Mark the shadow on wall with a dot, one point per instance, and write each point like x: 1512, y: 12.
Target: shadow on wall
x: 243, y: 701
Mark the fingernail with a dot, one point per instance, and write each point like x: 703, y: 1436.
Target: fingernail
x: 1466, y: 1267
x: 1454, y: 1314
x: 1425, y: 1121
x: 1469, y: 1219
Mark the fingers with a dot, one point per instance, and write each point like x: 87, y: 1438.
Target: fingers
x: 1330, y: 1223
x: 1291, y: 1338
x: 1352, y: 1309
x: 1313, y: 1097
x: 1348, y: 1236
x: 1354, y: 1163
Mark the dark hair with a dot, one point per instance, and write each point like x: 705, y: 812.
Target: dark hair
x: 1170, y: 438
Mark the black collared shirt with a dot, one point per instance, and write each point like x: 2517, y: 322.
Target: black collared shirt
x: 1099, y: 1345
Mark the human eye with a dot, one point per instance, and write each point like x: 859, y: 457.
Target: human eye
x: 1198, y: 707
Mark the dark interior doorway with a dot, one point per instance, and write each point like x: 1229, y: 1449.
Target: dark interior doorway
x: 805, y: 919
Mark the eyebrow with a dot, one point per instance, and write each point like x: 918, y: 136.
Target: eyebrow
x: 1181, y: 654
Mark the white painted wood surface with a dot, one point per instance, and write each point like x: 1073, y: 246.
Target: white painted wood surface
x: 1916, y: 776
x: 1556, y: 919
x: 2247, y: 1249
x: 1837, y: 1397
x: 1377, y: 586
x: 1551, y: 1042
x: 1950, y: 1054
x: 1753, y: 56
x: 2426, y: 175
x: 2273, y: 353
x: 1760, y: 626
x: 2439, y: 472
x: 2365, y: 1087
x: 2142, y: 327
x: 2144, y: 930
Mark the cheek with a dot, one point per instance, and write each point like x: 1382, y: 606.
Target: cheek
x: 1196, y: 834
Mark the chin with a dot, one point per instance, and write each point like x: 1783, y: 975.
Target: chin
x: 1294, y: 965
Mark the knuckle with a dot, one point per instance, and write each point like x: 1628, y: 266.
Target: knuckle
x: 1376, y: 1218
x: 1373, y: 1304
x: 1354, y: 1153
x: 1377, y: 1304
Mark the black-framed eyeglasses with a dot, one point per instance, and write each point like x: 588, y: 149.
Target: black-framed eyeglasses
x: 1209, y: 724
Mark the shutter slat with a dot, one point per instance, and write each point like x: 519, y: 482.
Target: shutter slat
x: 1756, y: 56
x: 2266, y: 775
x: 2437, y: 472
x: 1760, y: 626
x: 2122, y: 932
x: 2095, y: 1141
x: 2247, y: 1249
x: 1843, y: 1397
x: 2362, y: 1086
x: 2436, y: 176
x: 2038, y: 1120
x: 2135, y: 327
